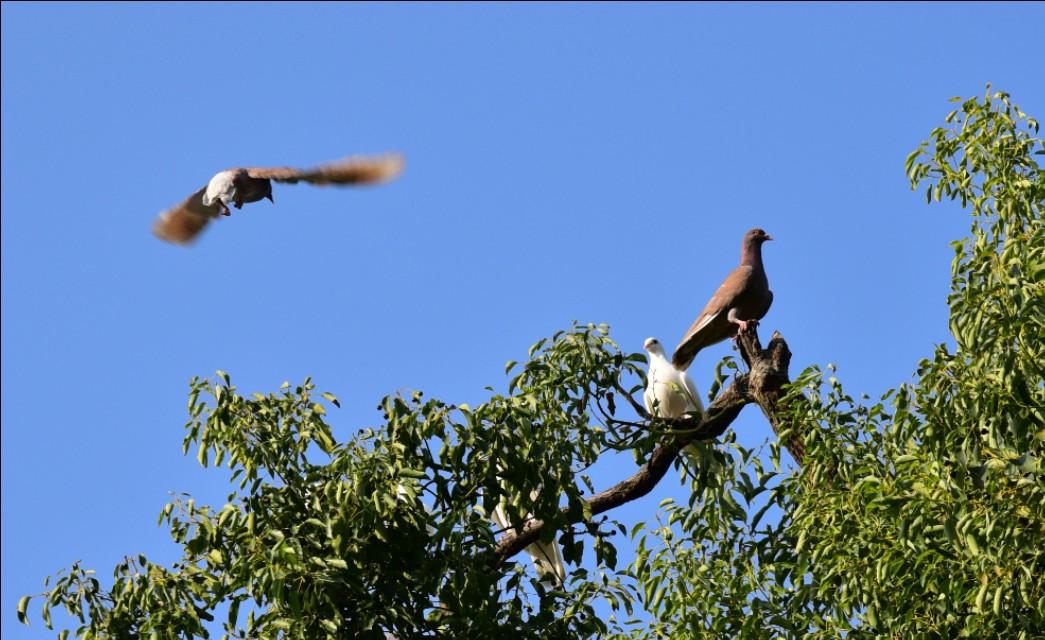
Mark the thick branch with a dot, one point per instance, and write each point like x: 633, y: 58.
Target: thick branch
x: 762, y: 385
x: 768, y: 379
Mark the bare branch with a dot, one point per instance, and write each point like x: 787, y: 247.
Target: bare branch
x: 639, y: 409
x: 768, y: 377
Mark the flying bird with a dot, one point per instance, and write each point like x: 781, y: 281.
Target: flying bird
x: 546, y: 556
x: 237, y: 186
x: 742, y: 299
x: 669, y: 391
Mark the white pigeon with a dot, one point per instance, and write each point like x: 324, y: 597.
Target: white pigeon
x: 546, y: 556
x: 669, y: 392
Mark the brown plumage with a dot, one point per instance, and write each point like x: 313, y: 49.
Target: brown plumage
x: 182, y: 223
x: 742, y: 299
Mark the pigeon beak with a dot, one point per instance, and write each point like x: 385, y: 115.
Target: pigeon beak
x: 767, y: 237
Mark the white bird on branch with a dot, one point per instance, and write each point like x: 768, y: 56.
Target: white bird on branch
x: 669, y: 391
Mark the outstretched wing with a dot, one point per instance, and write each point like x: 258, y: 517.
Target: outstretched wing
x: 354, y: 170
x: 182, y: 223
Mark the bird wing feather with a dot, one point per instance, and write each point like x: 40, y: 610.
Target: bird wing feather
x: 546, y: 556
x: 354, y: 170
x: 182, y: 223
x: 647, y: 396
x: 725, y: 297
x: 769, y: 303
x: 691, y: 389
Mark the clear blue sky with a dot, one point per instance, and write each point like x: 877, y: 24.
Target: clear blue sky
x: 589, y: 162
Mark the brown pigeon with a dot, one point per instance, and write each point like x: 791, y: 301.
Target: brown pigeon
x: 182, y: 223
x: 742, y: 299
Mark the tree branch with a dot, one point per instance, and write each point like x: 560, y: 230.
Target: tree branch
x: 639, y: 409
x: 762, y: 385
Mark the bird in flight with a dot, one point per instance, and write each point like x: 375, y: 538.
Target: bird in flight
x: 182, y: 223
x: 742, y: 299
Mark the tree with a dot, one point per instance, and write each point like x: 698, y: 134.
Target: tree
x: 919, y: 515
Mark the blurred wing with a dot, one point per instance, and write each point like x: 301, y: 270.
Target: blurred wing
x: 355, y: 170
x: 182, y: 223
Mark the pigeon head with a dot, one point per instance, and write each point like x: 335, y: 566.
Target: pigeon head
x: 751, y: 249
x: 652, y: 345
x: 756, y: 237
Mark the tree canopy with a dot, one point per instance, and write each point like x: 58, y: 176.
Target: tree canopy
x: 918, y: 515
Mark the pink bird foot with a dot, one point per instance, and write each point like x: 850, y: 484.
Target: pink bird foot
x: 743, y: 326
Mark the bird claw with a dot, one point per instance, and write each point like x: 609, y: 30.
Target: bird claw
x: 743, y: 326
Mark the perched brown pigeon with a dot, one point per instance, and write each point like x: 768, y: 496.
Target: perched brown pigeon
x: 182, y: 223
x: 742, y: 299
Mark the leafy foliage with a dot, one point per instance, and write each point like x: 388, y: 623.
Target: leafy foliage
x: 920, y: 515
x: 389, y: 532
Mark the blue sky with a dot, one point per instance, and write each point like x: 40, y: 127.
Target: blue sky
x: 588, y: 162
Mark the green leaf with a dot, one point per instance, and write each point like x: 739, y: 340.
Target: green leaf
x: 981, y: 596
x: 234, y: 612
x: 23, y: 604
